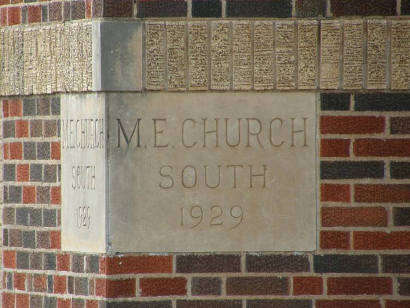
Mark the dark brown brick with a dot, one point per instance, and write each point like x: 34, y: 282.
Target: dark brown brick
x: 400, y: 125
x: 66, y: 11
x: 277, y: 263
x: 55, y: 11
x: 43, y: 194
x: 404, y: 286
x: 208, y: 264
x: 97, y: 8
x: 257, y: 286
x: 9, y: 216
x: 363, y: 8
x: 29, y: 239
x: 50, y: 128
x: 209, y: 304
x: 50, y: 261
x: 36, y: 301
x: 81, y: 286
x: 260, y: 8
x: 36, y: 128
x: 279, y: 303
x: 43, y: 106
x: 15, y: 238
x: 77, y: 264
x: 396, y: 263
x: 206, y: 286
x: 118, y: 8
x: 401, y: 216
x: 50, y: 173
x: 22, y: 260
x: 77, y: 9
x: 43, y: 150
x: 345, y: 264
x: 206, y: 8
x: 36, y: 261
x: 9, y: 172
x: 9, y: 129
x: 140, y: 304
x: 43, y: 239
x: 92, y: 264
x: 310, y: 8
x: 348, y: 304
x: 162, y: 8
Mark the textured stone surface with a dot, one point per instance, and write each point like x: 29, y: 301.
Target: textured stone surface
x: 176, y: 56
x: 155, y: 55
x: 263, y: 48
x: 331, y: 45
x: 353, y: 37
x: 221, y: 56
x: 376, y: 54
x: 308, y: 54
x: 285, y: 52
x: 242, y: 55
x: 400, y: 55
x: 198, y: 53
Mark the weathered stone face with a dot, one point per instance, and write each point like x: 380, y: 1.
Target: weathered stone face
x: 210, y: 172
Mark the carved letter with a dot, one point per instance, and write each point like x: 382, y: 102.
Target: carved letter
x: 234, y: 173
x: 259, y: 130
x: 167, y: 176
x: 211, y: 132
x: 183, y: 177
x: 183, y: 133
x: 271, y: 135
x: 298, y: 131
x: 252, y: 175
x: 158, y: 132
x: 232, y: 145
x: 128, y: 139
x: 206, y: 177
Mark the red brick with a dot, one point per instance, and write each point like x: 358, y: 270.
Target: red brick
x: 163, y: 286
x: 4, y: 2
x: 334, y: 240
x: 9, y: 259
x: 136, y: 264
x: 8, y: 300
x: 20, y: 281
x: 382, y: 147
x: 16, y: 150
x: 88, y: 8
x: 18, y: 1
x: 55, y: 240
x: 351, y: 125
x: 56, y: 195
x: 60, y: 284
x: 6, y: 151
x: 397, y: 304
x: 39, y: 283
x: 21, y: 128
x: 91, y: 304
x: 63, y: 262
x: 63, y: 303
x: 307, y: 285
x: 5, y: 107
x: 335, y: 148
x: 15, y: 106
x: 14, y: 15
x: 55, y: 150
x: 23, y: 173
x: 29, y: 194
x: 116, y: 288
x: 348, y: 304
x: 381, y: 240
x: 34, y: 13
x: 22, y: 300
x: 3, y: 18
x: 382, y: 193
x: 335, y: 192
x: 354, y: 217
x: 359, y: 285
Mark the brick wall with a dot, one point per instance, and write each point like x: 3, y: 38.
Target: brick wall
x: 362, y: 260
x: 363, y: 255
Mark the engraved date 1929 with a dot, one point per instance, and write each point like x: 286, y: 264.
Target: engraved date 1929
x: 196, y: 215
x: 83, y: 217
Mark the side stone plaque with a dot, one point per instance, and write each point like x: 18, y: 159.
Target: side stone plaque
x: 190, y: 172
x: 83, y: 167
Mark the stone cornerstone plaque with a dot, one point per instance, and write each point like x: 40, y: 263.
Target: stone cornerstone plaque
x: 189, y: 172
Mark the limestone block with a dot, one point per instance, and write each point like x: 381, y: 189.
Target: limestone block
x: 242, y: 55
x: 176, y: 56
x: 353, y: 38
x: 308, y: 58
x: 331, y: 48
x: 376, y: 54
x: 400, y: 54
x: 263, y: 50
x: 221, y: 55
x: 155, y: 55
x: 286, y: 55
x: 198, y: 55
